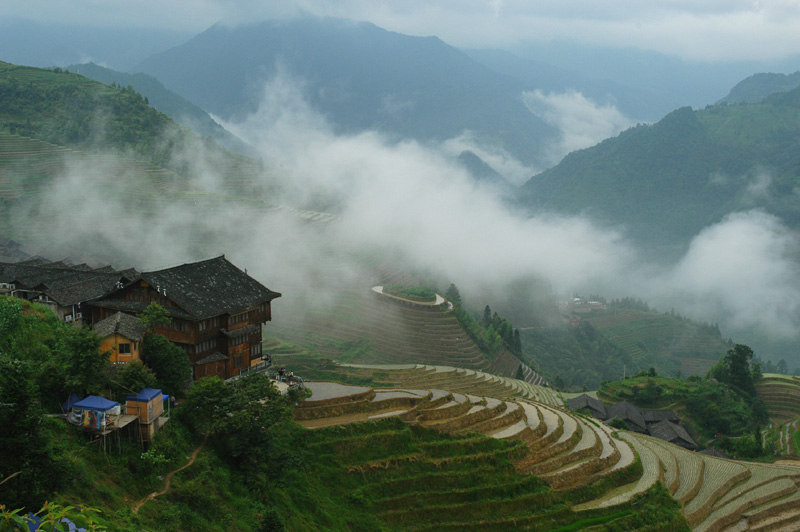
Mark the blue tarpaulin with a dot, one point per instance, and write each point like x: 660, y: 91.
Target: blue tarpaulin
x: 146, y: 395
x: 95, y: 402
x: 73, y: 398
x: 36, y: 521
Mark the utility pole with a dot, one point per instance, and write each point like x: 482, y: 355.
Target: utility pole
x: 624, y: 371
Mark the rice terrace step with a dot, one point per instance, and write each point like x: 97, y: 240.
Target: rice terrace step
x: 562, y: 449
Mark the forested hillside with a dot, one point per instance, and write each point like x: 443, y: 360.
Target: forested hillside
x: 664, y: 182
x: 68, y: 109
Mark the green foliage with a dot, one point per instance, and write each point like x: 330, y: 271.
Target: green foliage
x: 127, y: 379
x: 29, y: 471
x: 238, y: 416
x: 452, y: 294
x: 168, y: 361
x: 574, y: 356
x: 54, y: 517
x: 83, y: 361
x: 678, y: 154
x: 706, y: 407
x: 412, y: 293
x: 154, y: 316
x: 737, y: 370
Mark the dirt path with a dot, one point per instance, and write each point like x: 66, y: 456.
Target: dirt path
x: 169, y: 477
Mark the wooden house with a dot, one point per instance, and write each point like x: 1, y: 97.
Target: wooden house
x: 587, y: 403
x: 217, y: 312
x: 61, y: 287
x: 121, y: 334
x: 629, y: 413
x: 673, y: 433
x: 147, y: 405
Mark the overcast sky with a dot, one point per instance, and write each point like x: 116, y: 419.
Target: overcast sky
x: 692, y: 29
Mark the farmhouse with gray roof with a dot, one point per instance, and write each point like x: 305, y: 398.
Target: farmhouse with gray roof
x: 217, y: 312
x: 668, y: 431
x: 587, y: 402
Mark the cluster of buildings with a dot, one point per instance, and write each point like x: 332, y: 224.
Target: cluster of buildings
x: 662, y: 424
x: 217, y: 310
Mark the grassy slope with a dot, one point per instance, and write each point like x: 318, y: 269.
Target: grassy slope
x: 662, y: 341
x: 71, y: 110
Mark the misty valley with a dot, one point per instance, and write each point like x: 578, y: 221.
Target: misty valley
x: 509, y: 287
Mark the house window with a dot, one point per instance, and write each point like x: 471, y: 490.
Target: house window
x: 125, y: 349
x: 237, y: 361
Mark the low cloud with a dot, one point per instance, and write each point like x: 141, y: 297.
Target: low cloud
x: 582, y: 122
x: 742, y: 272
x: 408, y: 204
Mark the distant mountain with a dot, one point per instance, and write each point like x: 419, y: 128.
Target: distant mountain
x: 177, y: 107
x: 636, y: 103
x: 670, y: 81
x: 25, y: 42
x: 758, y: 86
x: 360, y: 77
x: 666, y: 181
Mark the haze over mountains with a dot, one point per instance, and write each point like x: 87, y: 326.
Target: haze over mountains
x: 378, y: 128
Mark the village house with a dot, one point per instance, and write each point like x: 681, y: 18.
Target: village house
x: 61, y: 287
x: 121, y: 335
x: 217, y: 312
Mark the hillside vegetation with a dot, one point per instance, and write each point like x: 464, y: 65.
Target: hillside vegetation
x: 67, y: 109
x: 664, y: 182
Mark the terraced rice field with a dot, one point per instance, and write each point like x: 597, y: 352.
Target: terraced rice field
x: 367, y: 328
x: 652, y: 339
x: 563, y: 450
x: 781, y: 395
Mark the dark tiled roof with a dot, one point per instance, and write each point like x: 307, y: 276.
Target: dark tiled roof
x: 126, y: 325
x: 65, y: 285
x: 210, y: 288
x: 214, y: 357
x: 664, y: 430
x: 586, y: 401
x: 627, y: 412
x: 654, y: 416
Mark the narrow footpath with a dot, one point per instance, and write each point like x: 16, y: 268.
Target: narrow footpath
x: 169, y: 476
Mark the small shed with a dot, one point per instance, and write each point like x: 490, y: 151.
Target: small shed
x: 148, y: 404
x: 93, y: 412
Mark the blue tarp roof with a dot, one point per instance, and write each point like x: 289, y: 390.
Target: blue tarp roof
x: 73, y: 398
x: 36, y: 521
x: 146, y: 394
x: 95, y: 402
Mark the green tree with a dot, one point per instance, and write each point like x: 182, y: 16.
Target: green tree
x: 168, y: 361
x: 84, y: 363
x: 238, y: 415
x: 127, y: 379
x: 487, y: 316
x: 452, y: 294
x: 520, y: 374
x: 739, y: 371
x: 29, y: 473
x: 155, y: 316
